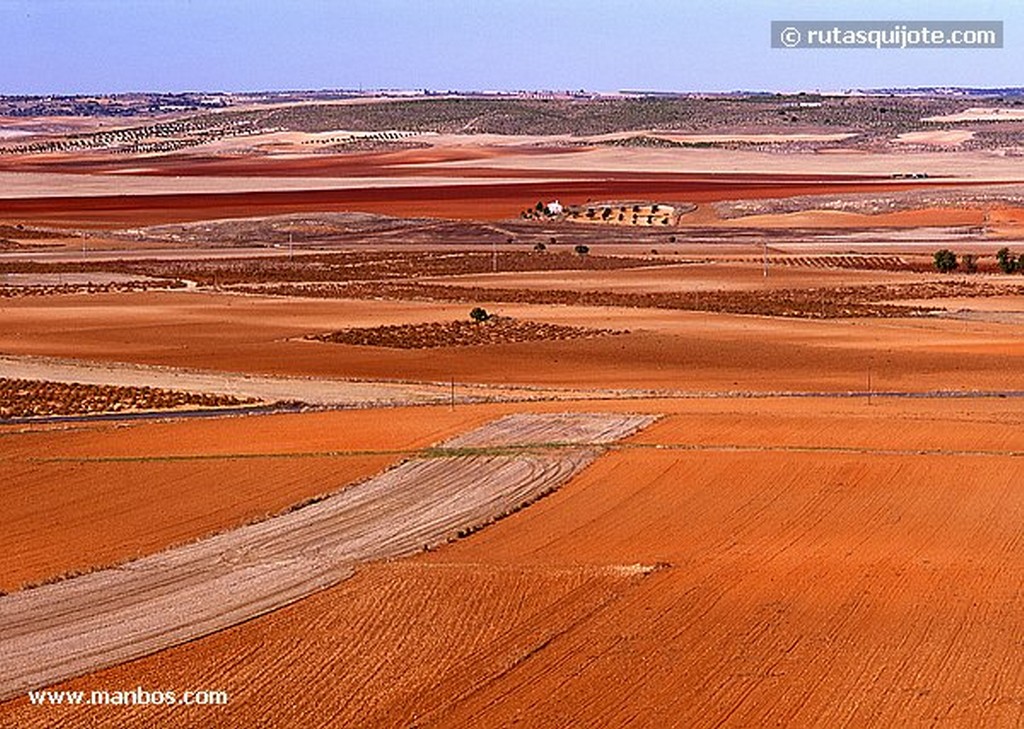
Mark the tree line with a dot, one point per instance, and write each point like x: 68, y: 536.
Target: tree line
x: 946, y: 261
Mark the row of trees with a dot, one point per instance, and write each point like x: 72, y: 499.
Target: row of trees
x: 946, y: 261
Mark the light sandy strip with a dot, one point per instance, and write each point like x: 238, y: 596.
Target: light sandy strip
x: 308, y: 390
x: 22, y: 185
x: 65, y: 629
x: 311, y: 391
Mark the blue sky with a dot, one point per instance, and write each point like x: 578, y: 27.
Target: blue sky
x: 95, y: 46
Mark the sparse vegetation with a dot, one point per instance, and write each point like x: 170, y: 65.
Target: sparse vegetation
x: 34, y: 398
x: 499, y: 330
x: 479, y: 314
x: 809, y: 303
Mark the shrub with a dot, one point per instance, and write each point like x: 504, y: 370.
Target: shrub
x: 970, y: 262
x: 479, y: 314
x: 539, y: 246
x: 945, y: 260
x: 582, y: 249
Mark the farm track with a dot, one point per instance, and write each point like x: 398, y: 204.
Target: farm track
x: 63, y: 629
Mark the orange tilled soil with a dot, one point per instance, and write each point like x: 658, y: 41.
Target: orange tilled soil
x: 665, y: 349
x: 101, y: 494
x: 798, y: 562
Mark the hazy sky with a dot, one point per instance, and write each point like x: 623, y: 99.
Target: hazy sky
x: 92, y: 46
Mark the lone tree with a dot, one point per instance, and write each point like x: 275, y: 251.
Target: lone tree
x: 539, y: 246
x: 1007, y: 262
x: 479, y: 314
x: 945, y: 261
x: 970, y: 262
x: 582, y: 249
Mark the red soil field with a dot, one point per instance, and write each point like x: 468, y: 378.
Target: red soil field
x: 800, y: 562
x: 462, y: 201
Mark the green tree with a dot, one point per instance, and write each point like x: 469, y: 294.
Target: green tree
x: 582, y: 249
x: 945, y: 260
x: 479, y: 314
x: 1007, y: 262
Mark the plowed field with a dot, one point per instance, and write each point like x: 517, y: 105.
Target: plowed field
x: 101, y: 494
x: 109, y: 616
x: 736, y: 564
